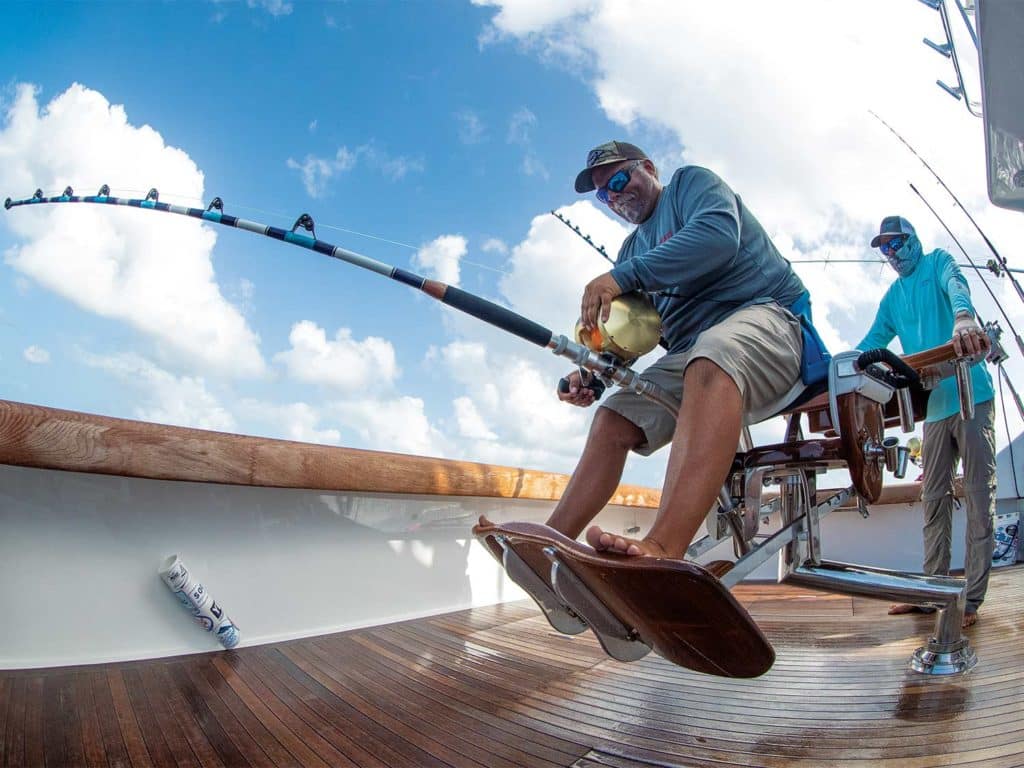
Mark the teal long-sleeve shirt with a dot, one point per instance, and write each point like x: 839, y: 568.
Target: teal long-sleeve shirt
x: 919, y: 309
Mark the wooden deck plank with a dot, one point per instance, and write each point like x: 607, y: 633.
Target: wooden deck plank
x: 497, y: 687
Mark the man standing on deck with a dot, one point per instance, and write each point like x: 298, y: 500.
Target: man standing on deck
x: 927, y: 302
x: 724, y: 295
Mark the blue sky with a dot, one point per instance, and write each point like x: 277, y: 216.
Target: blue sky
x: 449, y: 130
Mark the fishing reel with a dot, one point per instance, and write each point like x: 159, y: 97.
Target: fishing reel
x: 633, y: 329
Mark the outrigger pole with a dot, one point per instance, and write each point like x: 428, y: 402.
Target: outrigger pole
x: 607, y: 367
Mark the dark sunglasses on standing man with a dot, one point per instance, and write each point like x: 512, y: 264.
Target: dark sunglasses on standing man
x: 893, y: 244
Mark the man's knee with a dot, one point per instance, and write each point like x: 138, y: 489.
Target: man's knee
x: 613, y: 430
x: 704, y: 374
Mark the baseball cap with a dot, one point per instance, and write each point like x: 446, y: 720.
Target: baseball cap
x: 892, y: 225
x: 610, y: 152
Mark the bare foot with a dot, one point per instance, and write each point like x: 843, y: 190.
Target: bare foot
x: 620, y: 545
x: 970, y: 619
x: 901, y: 608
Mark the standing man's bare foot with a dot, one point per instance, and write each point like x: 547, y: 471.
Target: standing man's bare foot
x: 901, y: 608
x: 970, y: 619
x: 620, y: 545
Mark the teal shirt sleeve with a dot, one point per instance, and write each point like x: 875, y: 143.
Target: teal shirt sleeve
x: 955, y: 284
x: 707, y: 243
x: 882, y: 331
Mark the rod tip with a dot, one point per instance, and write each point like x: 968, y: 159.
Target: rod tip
x: 7, y: 204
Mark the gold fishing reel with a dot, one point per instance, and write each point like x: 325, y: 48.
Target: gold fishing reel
x: 633, y: 329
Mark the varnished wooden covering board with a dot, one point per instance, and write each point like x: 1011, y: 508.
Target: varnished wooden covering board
x: 496, y: 687
x: 48, y: 438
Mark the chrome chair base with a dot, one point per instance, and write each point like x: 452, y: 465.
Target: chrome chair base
x: 944, y: 658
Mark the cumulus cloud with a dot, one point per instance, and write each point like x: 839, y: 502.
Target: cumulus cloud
x: 164, y: 398
x: 291, y: 421
x: 440, y: 258
x: 151, y: 271
x: 343, y: 364
x: 36, y: 355
x: 398, y: 424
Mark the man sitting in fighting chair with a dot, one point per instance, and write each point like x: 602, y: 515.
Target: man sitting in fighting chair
x: 728, y: 303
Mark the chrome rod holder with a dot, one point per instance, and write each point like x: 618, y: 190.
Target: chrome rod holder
x: 965, y: 389
x: 896, y: 457
x: 906, y: 406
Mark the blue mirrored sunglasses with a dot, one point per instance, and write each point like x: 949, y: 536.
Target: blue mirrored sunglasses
x: 618, y: 182
x: 893, y: 244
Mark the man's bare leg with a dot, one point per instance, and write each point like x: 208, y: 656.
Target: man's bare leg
x: 703, y: 448
x: 598, y: 472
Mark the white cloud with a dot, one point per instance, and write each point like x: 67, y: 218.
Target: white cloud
x: 470, y: 126
x: 471, y: 423
x: 439, y: 259
x: 398, y: 424
x: 343, y: 363
x: 36, y: 355
x: 520, y: 125
x: 165, y: 398
x: 316, y: 172
x: 494, y: 245
x: 520, y: 129
x: 292, y: 421
x: 152, y: 271
x: 273, y: 7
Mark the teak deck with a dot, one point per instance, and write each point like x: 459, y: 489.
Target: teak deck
x: 497, y: 687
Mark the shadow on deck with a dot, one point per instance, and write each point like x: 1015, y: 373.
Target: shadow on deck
x: 496, y: 687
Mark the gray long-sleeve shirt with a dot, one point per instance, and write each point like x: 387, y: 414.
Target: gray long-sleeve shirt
x: 704, y: 248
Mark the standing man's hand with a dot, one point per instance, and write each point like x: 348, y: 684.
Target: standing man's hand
x: 597, y: 300
x: 968, y: 337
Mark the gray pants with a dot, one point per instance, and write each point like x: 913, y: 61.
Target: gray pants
x: 944, y: 442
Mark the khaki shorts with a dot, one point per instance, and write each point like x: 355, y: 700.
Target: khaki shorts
x: 759, y: 347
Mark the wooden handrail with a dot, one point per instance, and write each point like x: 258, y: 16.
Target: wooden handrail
x: 49, y: 438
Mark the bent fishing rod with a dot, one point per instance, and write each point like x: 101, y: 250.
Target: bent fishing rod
x: 607, y: 367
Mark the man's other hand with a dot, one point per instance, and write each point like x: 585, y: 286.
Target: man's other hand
x: 597, y: 300
x: 578, y: 394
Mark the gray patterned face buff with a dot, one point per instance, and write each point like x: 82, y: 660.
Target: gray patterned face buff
x: 905, y: 260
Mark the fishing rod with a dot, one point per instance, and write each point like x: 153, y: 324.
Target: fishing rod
x: 999, y: 258
x: 1016, y: 336
x: 586, y: 238
x: 607, y: 367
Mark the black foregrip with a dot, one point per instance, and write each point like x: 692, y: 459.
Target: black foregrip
x: 496, y: 315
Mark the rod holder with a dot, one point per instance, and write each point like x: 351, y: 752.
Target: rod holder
x: 965, y: 389
x: 906, y: 407
x: 896, y: 456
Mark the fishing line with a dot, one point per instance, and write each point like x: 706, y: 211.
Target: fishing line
x: 1006, y: 425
